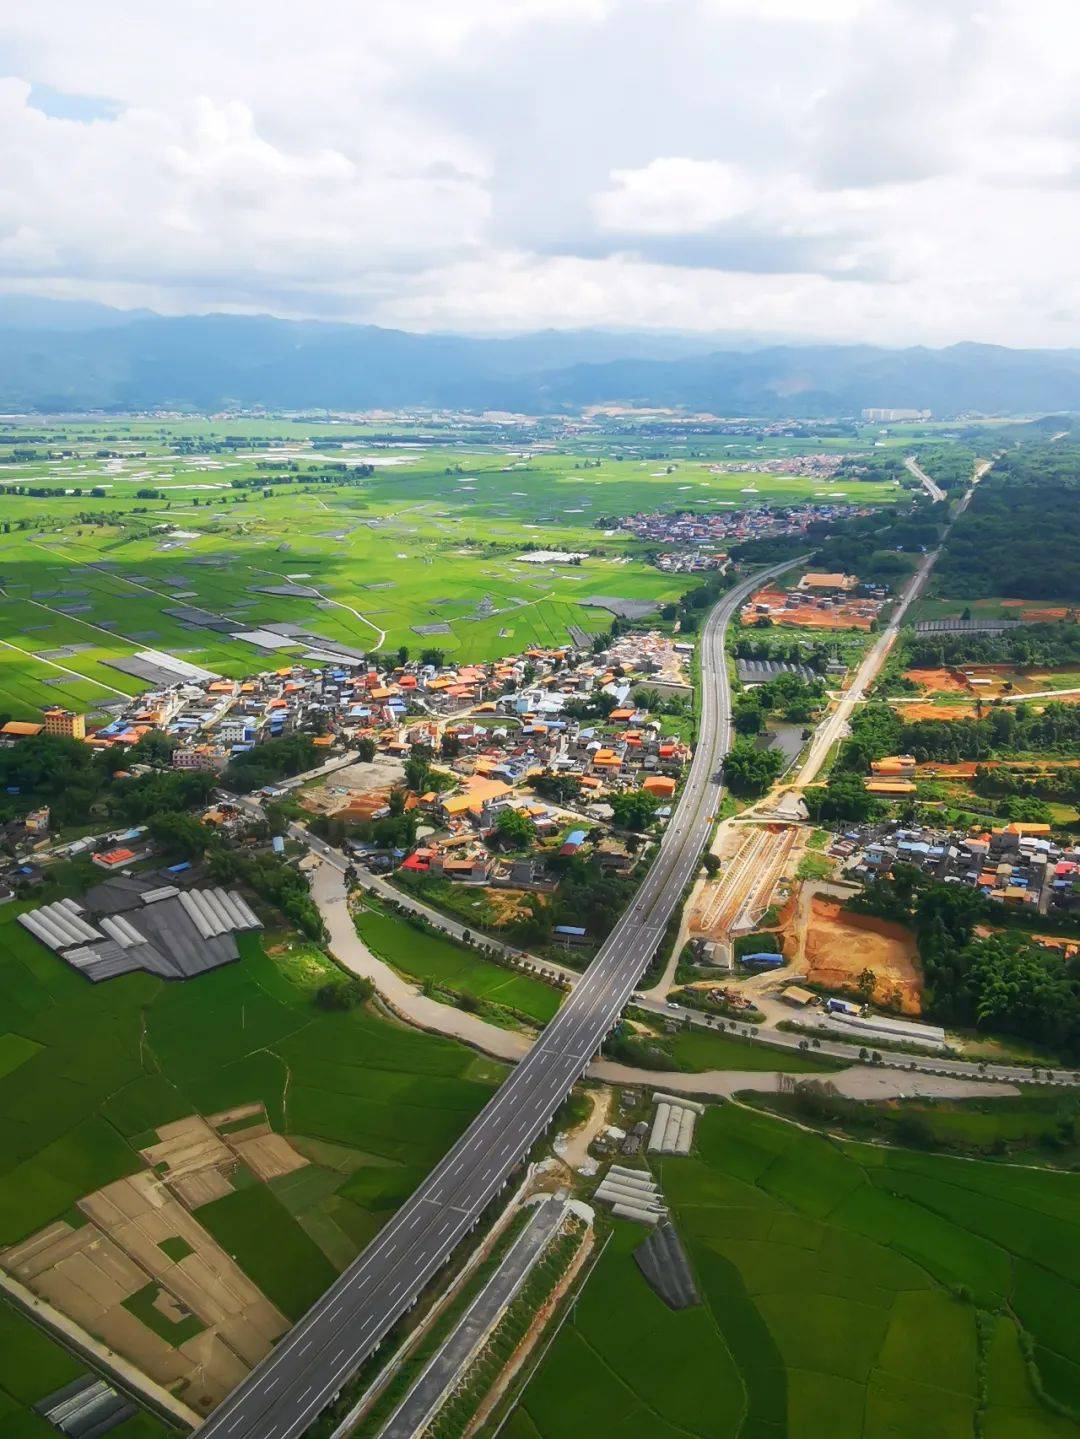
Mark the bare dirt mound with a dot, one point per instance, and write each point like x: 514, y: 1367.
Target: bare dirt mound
x: 840, y: 945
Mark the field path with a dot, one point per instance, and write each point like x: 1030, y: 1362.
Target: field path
x: 407, y: 999
x: 341, y: 605
x: 412, y: 1005
x: 87, y: 679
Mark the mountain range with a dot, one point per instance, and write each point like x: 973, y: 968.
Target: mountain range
x: 58, y: 356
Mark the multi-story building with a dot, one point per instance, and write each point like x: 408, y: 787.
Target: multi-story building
x: 65, y: 723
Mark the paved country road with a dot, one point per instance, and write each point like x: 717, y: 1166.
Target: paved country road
x: 835, y: 726
x: 309, y: 1366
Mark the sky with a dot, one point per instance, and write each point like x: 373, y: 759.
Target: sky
x: 882, y: 171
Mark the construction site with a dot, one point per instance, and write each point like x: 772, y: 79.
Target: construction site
x: 755, y: 860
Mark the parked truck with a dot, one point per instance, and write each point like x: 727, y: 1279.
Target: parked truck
x: 841, y: 1006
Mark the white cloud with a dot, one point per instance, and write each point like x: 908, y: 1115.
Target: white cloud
x: 674, y: 196
x: 889, y: 170
x: 199, y: 192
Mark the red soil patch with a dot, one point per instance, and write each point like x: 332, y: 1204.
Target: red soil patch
x: 855, y: 616
x: 1041, y: 617
x: 936, y: 681
x: 964, y: 770
x: 840, y: 945
x: 916, y: 711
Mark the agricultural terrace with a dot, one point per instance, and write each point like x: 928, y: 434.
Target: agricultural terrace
x: 848, y: 1290
x: 412, y: 536
x: 371, y: 1104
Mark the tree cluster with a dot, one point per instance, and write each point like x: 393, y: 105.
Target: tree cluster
x: 1002, y: 983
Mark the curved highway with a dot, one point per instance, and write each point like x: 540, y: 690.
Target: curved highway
x: 308, y: 1367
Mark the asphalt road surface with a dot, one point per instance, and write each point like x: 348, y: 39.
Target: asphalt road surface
x: 308, y: 1367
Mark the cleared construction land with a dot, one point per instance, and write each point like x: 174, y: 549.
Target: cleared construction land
x: 840, y: 944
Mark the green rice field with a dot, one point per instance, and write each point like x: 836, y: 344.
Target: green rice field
x: 423, y: 956
x: 847, y: 1290
x: 32, y: 1367
x: 434, y: 537
x: 371, y: 1103
x: 700, y: 1049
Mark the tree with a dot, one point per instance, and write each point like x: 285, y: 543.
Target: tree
x: 747, y: 717
x: 515, y: 828
x: 749, y: 770
x: 344, y: 994
x: 272, y: 760
x: 365, y: 748
x: 559, y: 788
x: 866, y: 984
x: 153, y: 748
x: 711, y: 863
x: 634, y: 809
x: 180, y: 835
x: 418, y: 769
x: 845, y: 797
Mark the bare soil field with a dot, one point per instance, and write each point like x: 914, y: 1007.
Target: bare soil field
x: 116, y: 1271
x: 933, y: 769
x: 1035, y: 615
x: 147, y: 1277
x: 936, y: 681
x: 350, y: 784
x: 840, y: 945
x: 573, y: 1146
x: 917, y: 711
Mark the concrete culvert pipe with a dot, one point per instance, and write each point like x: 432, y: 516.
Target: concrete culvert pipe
x: 634, y: 1181
x: 677, y: 1099
x: 686, y: 1132
x: 643, y: 1216
x: 659, y: 1127
x: 613, y: 1194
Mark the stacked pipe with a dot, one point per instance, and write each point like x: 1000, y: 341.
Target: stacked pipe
x: 659, y: 1127
x: 673, y: 1126
x: 643, y: 1216
x: 609, y: 1192
x: 692, y: 1104
x: 686, y: 1131
x: 637, y: 1177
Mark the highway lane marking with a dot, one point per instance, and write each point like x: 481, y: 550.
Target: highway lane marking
x: 564, y: 1029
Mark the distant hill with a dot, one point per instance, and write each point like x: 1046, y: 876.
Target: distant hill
x: 54, y: 358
